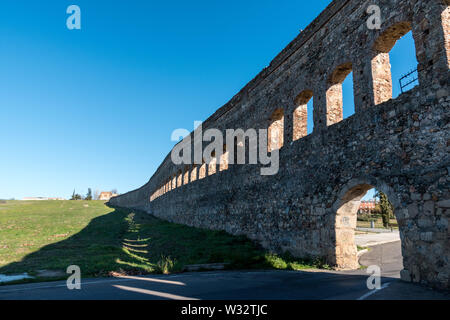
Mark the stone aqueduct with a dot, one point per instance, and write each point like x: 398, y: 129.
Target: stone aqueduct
x: 400, y: 146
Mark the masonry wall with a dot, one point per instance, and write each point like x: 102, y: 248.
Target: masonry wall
x: 399, y: 146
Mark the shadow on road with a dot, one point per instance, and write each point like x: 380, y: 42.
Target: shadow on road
x: 107, y: 243
x: 225, y: 285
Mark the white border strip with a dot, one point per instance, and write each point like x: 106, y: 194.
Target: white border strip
x: 368, y: 294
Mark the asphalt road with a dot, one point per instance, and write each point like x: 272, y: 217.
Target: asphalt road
x: 237, y: 285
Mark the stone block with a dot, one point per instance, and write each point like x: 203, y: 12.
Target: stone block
x: 405, y: 275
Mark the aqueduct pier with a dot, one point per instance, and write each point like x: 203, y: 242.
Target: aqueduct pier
x: 400, y: 146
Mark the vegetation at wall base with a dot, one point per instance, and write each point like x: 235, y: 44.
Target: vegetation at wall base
x: 45, y: 237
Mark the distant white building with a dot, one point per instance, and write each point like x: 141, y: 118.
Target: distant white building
x: 106, y: 196
x: 40, y: 198
x: 367, y: 206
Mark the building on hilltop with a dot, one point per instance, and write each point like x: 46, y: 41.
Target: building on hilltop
x: 106, y: 195
x: 367, y: 206
x: 40, y: 198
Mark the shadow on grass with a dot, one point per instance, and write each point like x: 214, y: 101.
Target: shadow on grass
x: 126, y: 242
x: 95, y: 249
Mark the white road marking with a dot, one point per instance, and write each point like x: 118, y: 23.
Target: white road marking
x: 122, y: 279
x: 82, y: 284
x: 154, y: 293
x: 153, y: 280
x: 368, y: 294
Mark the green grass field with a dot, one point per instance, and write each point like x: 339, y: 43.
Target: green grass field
x: 378, y: 224
x: 51, y: 235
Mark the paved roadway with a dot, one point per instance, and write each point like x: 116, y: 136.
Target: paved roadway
x: 372, y: 239
x: 236, y: 285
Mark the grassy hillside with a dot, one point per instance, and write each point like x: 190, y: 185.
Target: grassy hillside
x: 51, y: 235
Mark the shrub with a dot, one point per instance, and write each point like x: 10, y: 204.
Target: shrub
x: 165, y: 265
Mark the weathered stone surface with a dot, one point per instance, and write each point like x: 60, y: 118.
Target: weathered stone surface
x: 413, y: 210
x: 400, y: 146
x: 426, y: 236
x: 405, y: 275
x: 206, y: 266
x: 444, y: 204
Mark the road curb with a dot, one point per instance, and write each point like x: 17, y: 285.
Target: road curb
x: 380, y: 242
x: 360, y: 253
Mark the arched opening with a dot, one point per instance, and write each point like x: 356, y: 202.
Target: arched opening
x: 276, y: 130
x: 376, y: 212
x: 394, y: 58
x: 224, y: 159
x: 239, y: 156
x: 212, y: 166
x: 359, y: 222
x: 194, y: 173
x: 237, y: 145
x: 445, y: 17
x: 202, y: 171
x: 179, y: 179
x: 340, y: 97
x: 186, y: 175
x: 302, y: 121
x: 174, y: 182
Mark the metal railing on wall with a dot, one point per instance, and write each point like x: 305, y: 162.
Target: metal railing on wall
x: 408, y: 79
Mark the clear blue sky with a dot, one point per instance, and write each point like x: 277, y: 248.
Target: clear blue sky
x: 96, y: 107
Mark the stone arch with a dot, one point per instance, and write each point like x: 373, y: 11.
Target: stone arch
x: 300, y: 115
x: 387, y: 40
x: 345, y: 209
x: 335, y: 102
x: 275, y: 131
x: 381, y: 66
